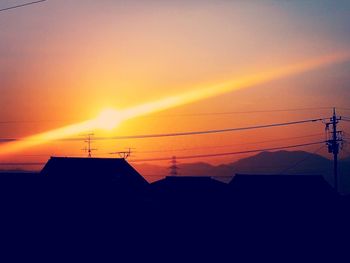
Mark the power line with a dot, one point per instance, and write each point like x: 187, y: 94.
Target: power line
x: 183, y: 149
x: 21, y: 5
x: 227, y: 153
x: 143, y: 136
x: 182, y: 115
x: 189, y: 156
x: 12, y: 164
x: 249, y: 112
x: 8, y: 140
x: 33, y: 121
x: 230, y: 145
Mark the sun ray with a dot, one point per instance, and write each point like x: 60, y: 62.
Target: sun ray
x: 110, y: 118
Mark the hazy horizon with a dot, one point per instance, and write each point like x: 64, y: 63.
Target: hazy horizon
x: 66, y: 62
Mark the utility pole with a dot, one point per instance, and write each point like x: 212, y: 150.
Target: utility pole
x: 334, y: 141
x: 173, y: 168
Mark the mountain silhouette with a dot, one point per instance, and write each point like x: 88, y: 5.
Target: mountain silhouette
x: 284, y: 162
x: 279, y: 162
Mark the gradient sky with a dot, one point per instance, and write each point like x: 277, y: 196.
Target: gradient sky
x: 64, y: 61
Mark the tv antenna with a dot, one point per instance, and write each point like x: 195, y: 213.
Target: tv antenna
x: 88, y: 141
x: 124, y: 154
x: 174, y: 167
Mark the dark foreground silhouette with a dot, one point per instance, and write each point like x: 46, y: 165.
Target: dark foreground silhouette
x: 102, y: 209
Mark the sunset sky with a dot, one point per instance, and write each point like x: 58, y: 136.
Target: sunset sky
x: 65, y: 62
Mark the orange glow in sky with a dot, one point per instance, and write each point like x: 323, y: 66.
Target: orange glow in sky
x: 110, y: 118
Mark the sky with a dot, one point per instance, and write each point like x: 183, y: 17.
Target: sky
x: 63, y: 62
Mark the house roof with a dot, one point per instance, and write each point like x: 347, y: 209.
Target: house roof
x: 188, y: 180
x: 92, y: 169
x: 281, y: 184
x: 188, y: 184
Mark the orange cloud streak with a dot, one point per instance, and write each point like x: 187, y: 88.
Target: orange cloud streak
x: 109, y: 119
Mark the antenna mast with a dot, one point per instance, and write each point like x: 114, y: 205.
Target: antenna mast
x: 174, y: 168
x: 124, y: 154
x: 88, y: 141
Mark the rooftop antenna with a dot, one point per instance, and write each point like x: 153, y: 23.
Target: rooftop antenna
x: 174, y: 167
x: 124, y: 154
x: 88, y: 141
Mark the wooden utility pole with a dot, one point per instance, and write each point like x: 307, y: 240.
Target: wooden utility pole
x: 334, y: 141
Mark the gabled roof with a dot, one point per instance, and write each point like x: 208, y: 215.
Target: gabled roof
x: 92, y: 169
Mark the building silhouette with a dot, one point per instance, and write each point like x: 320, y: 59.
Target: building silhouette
x: 94, y: 170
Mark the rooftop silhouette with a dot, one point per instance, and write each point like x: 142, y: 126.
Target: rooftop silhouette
x: 83, y: 200
x: 116, y: 170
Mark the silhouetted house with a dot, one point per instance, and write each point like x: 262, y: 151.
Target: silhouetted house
x: 94, y: 171
x: 293, y: 187
x: 21, y: 183
x: 345, y: 202
x: 188, y: 188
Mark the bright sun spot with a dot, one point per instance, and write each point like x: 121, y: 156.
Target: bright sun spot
x: 108, y: 119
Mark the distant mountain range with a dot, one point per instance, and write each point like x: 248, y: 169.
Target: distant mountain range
x: 280, y: 162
